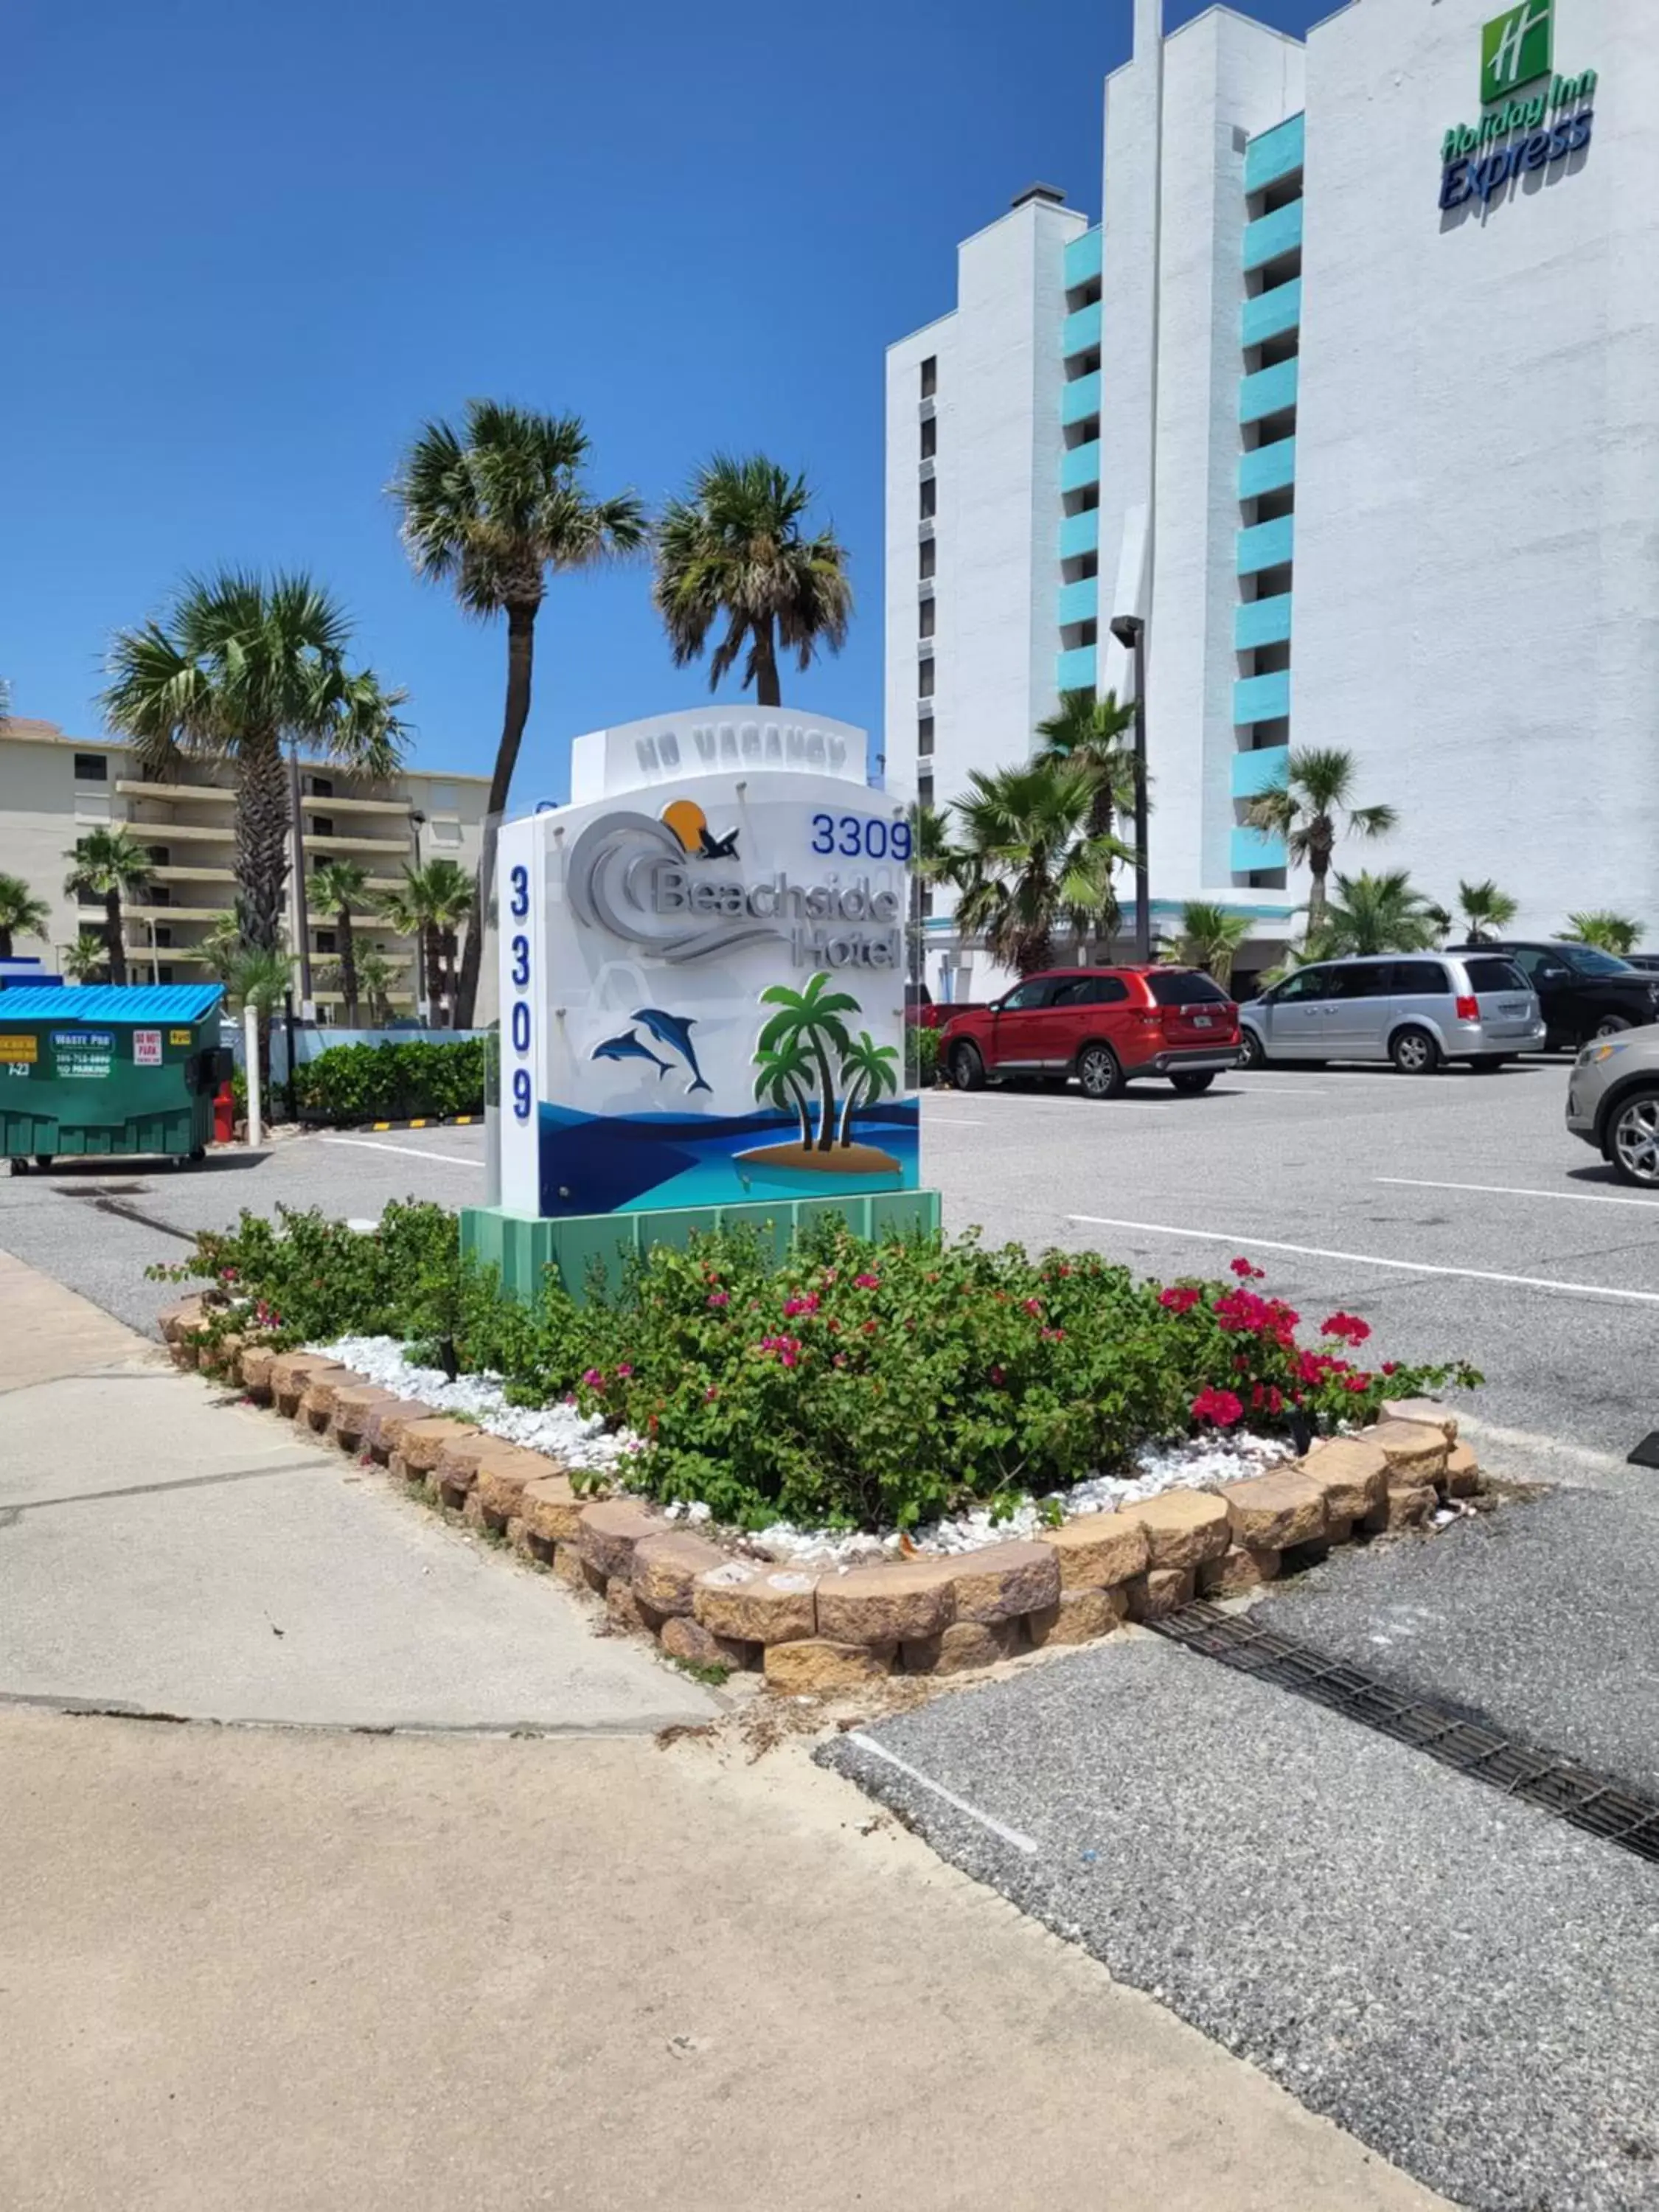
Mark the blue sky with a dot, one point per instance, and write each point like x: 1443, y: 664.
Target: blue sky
x: 260, y: 244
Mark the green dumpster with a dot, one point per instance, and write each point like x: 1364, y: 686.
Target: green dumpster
x: 108, y: 1068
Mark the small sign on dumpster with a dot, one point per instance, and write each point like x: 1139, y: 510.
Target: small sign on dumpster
x: 19, y: 1051
x: 147, y: 1047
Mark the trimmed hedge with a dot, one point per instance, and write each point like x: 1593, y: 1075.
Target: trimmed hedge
x: 405, y: 1081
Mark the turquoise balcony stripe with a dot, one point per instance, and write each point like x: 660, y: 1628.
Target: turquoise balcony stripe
x: 1252, y: 849
x: 1269, y: 392
x: 1268, y: 545
x: 1263, y: 770
x: 1082, y: 258
x: 1080, y: 602
x: 1080, y: 398
x: 1270, y: 314
x: 1080, y: 333
x: 1269, y: 468
x: 1075, y: 671
x: 1079, y: 533
x: 1080, y: 466
x: 1262, y: 621
x: 1277, y: 153
x: 1261, y: 698
x: 1270, y: 235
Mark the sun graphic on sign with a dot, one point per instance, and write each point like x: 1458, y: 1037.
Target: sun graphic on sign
x: 691, y: 825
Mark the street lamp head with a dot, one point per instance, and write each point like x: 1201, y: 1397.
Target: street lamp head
x: 1127, y: 629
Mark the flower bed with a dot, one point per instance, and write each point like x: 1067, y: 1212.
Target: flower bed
x: 861, y: 1387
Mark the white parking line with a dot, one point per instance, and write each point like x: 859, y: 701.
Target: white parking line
x: 1514, y: 1190
x: 985, y: 1819
x: 1368, y: 1260
x: 414, y: 1151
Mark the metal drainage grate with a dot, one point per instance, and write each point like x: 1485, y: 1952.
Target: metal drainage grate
x: 1573, y: 1793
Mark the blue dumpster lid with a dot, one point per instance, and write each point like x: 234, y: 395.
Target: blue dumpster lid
x: 111, y: 1002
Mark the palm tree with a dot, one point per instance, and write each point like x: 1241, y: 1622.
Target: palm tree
x: 1088, y: 731
x: 242, y: 666
x: 732, y: 551
x: 334, y: 889
x: 490, y: 509
x: 1209, y: 938
x: 376, y: 975
x: 1373, y: 914
x: 812, y: 1019
x: 867, y: 1069
x: 429, y: 906
x: 21, y: 914
x: 784, y: 1079
x: 1310, y: 808
x: 1029, y: 864
x: 1611, y: 933
x: 1487, y: 911
x: 109, y: 864
x: 258, y: 976
x: 87, y: 959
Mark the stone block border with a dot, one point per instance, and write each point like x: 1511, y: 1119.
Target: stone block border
x: 815, y: 1632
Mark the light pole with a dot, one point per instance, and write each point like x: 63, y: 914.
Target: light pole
x: 1130, y: 631
x: 415, y: 819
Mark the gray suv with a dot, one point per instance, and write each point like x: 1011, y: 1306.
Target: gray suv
x: 1612, y: 1102
x: 1417, y: 1010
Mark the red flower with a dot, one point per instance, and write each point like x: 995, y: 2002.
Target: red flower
x: 1356, y: 1383
x: 997, y: 1377
x: 1179, y: 1300
x: 1220, y: 1407
x: 1034, y: 1306
x: 807, y: 1302
x: 870, y: 1282
x: 1054, y: 1335
x: 719, y: 1297
x: 1245, y: 1272
x: 1391, y: 1367
x: 1349, y: 1326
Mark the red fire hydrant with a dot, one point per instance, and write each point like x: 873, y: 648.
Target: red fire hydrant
x: 224, y: 1116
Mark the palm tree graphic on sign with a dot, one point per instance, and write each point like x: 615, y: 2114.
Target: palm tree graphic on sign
x: 805, y: 1045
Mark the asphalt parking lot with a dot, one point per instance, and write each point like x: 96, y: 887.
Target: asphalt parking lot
x: 1452, y: 1211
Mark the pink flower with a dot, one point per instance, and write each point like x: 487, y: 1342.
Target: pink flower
x: 997, y: 1377
x: 1179, y: 1300
x: 227, y: 1274
x: 1245, y: 1272
x: 868, y: 1282
x: 1391, y: 1367
x: 805, y: 1302
x: 1221, y: 1406
x: 710, y: 1394
x: 719, y: 1297
x: 622, y: 1373
x: 1054, y: 1335
x: 594, y: 1378
x: 1034, y: 1306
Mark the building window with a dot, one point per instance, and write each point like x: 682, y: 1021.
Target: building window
x: 930, y: 376
x: 322, y: 825
x: 926, y: 615
x: 320, y: 787
x: 929, y: 560
x: 164, y: 974
x: 158, y: 895
x: 925, y: 787
x: 925, y: 739
x: 929, y: 499
x: 91, y: 768
x: 927, y: 902
x: 158, y: 856
x: 446, y: 833
x: 326, y: 941
x: 930, y: 437
x: 164, y: 936
x: 925, y: 679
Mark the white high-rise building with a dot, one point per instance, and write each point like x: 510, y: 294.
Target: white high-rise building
x: 1352, y: 398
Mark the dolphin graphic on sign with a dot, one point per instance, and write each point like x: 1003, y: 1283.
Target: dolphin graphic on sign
x: 676, y: 1033
x: 628, y: 1046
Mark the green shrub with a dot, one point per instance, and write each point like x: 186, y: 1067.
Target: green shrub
x: 863, y: 1384
x: 412, y: 1078
x: 926, y: 1044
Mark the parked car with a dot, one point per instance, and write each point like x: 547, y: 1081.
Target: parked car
x: 1585, y: 992
x: 1417, y: 1011
x: 1612, y: 1102
x: 1648, y: 962
x: 923, y: 1011
x: 1107, y: 1026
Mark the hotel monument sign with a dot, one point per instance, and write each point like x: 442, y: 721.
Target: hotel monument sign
x: 1532, y: 117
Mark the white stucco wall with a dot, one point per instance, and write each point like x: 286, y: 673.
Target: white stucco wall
x: 901, y: 597
x: 1477, y: 557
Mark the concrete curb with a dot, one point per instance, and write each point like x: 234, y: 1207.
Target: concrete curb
x: 818, y: 1633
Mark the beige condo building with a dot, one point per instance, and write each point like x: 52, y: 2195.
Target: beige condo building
x: 54, y: 788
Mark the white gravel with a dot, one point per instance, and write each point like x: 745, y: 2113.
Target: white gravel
x: 581, y: 1441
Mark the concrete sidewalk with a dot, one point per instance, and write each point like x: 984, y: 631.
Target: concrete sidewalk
x: 165, y: 1549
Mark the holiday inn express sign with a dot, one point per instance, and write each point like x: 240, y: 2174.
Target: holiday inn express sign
x: 1532, y: 117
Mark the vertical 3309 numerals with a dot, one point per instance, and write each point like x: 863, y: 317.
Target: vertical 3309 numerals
x: 518, y: 907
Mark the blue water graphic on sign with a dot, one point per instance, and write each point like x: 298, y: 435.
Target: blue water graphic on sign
x: 620, y: 1164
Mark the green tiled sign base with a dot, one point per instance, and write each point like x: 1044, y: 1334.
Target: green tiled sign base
x: 523, y: 1247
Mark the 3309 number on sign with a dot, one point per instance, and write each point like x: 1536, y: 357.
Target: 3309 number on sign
x: 861, y: 837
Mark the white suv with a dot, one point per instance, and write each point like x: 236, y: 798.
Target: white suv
x: 1417, y: 1009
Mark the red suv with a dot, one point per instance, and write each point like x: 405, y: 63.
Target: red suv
x: 1107, y: 1026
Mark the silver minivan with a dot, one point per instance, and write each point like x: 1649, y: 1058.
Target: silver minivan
x: 1416, y: 1009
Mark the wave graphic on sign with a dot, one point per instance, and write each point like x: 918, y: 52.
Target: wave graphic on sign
x: 612, y: 863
